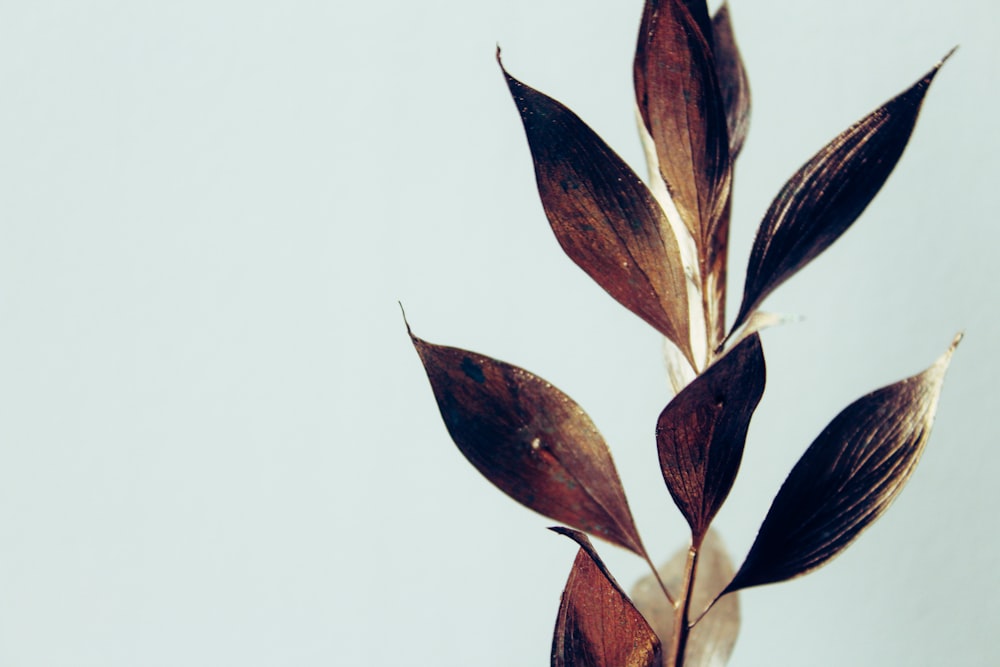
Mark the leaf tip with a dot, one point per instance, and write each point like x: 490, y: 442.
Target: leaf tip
x: 406, y: 322
x: 945, y: 359
x: 574, y: 535
x: 955, y: 341
x: 945, y: 58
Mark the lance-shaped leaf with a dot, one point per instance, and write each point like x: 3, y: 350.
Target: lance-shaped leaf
x: 701, y: 433
x: 603, y: 216
x: 846, y: 479
x: 531, y: 440
x: 735, y: 90
x: 828, y: 193
x: 677, y: 92
x: 733, y: 83
x: 711, y: 641
x: 597, y: 625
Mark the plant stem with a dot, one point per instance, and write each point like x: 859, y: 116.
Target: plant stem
x: 682, y: 611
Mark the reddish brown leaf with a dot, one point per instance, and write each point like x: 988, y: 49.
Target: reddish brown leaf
x: 712, y: 640
x: 677, y: 92
x: 733, y: 82
x: 603, y: 216
x: 597, y: 625
x: 846, y: 479
x: 531, y: 440
x: 701, y: 433
x: 826, y: 196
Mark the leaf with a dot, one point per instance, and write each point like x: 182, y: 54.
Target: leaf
x: 733, y: 83
x: 680, y: 104
x: 701, y: 433
x: 846, y: 479
x: 531, y: 440
x: 826, y: 195
x: 735, y: 90
x: 712, y: 640
x: 597, y: 625
x: 699, y: 13
x: 603, y: 216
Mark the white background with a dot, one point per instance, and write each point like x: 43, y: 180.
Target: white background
x: 217, y: 446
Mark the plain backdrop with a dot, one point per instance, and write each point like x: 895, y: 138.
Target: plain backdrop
x: 217, y: 446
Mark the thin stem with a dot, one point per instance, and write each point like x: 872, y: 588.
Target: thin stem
x: 707, y: 609
x: 682, y: 610
x: 663, y: 586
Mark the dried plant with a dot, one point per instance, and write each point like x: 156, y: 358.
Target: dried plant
x: 661, y: 251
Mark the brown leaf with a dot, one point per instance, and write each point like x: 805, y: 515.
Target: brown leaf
x: 597, y: 625
x: 677, y: 92
x: 712, y: 640
x: 733, y: 82
x: 735, y: 90
x: 699, y: 12
x: 826, y: 196
x: 603, y: 216
x: 846, y: 479
x: 701, y: 433
x: 531, y: 440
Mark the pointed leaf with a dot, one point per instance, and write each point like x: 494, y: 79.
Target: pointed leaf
x: 733, y: 82
x: 531, y: 440
x: 712, y: 640
x: 680, y: 104
x: 846, y: 479
x: 603, y: 216
x: 735, y: 90
x: 701, y: 433
x: 597, y: 625
x: 828, y: 193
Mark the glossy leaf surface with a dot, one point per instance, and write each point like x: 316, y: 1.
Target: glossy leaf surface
x: 846, y: 479
x: 603, y: 216
x: 701, y: 433
x: 531, y: 440
x: 597, y: 625
x: 826, y: 196
x: 712, y: 640
x: 678, y: 96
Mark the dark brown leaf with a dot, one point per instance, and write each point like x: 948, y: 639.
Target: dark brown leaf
x: 828, y: 193
x: 699, y: 12
x: 846, y: 479
x: 711, y: 641
x: 735, y: 90
x: 597, y: 625
x: 680, y: 104
x: 531, y: 440
x: 603, y: 216
x: 701, y: 433
x: 733, y: 82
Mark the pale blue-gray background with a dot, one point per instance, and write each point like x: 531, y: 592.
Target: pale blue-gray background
x: 217, y: 446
